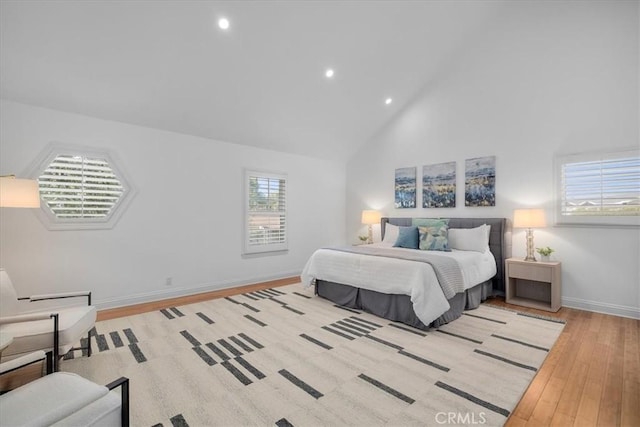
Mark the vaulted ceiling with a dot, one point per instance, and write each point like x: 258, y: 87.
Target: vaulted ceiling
x: 167, y: 65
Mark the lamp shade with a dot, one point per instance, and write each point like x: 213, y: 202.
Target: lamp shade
x: 371, y: 217
x: 8, y: 297
x: 19, y: 193
x: 529, y: 218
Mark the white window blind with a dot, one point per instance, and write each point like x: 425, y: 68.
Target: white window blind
x: 266, y: 212
x: 599, y: 188
x: 79, y: 187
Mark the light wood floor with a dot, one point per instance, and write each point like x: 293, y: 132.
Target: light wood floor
x: 590, y: 378
x: 191, y: 299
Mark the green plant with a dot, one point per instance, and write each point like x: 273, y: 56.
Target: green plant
x: 363, y: 238
x: 545, y: 251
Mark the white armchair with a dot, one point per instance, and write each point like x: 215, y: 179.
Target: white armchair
x: 52, y: 330
x: 63, y: 399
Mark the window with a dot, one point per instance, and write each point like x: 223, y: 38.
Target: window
x: 80, y: 188
x: 266, y: 213
x: 598, y: 188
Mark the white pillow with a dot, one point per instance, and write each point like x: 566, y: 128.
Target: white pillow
x: 390, y: 235
x: 470, y: 239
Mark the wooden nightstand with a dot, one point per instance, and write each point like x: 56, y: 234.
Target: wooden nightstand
x: 534, y: 284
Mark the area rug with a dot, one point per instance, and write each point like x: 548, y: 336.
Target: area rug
x: 285, y: 357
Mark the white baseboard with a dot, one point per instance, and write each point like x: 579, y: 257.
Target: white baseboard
x: 180, y: 292
x: 602, y: 307
x: 595, y: 306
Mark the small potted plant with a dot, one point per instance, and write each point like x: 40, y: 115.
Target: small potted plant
x: 545, y: 253
x: 363, y: 239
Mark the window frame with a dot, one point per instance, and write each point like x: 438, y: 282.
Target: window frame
x: 53, y: 222
x: 247, y: 247
x: 560, y: 160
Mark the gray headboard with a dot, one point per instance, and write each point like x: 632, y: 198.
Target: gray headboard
x: 499, y: 240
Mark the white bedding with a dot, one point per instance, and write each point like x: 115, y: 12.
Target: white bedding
x: 398, y: 276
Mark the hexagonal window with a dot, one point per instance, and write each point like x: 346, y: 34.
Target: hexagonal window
x: 80, y: 189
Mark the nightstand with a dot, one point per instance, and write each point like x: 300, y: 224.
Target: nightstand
x: 534, y: 284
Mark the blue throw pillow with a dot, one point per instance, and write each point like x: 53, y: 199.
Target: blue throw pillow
x: 408, y: 237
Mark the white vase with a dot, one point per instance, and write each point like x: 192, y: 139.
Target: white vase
x: 545, y: 258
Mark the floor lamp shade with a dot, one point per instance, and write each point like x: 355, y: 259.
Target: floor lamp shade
x: 19, y: 193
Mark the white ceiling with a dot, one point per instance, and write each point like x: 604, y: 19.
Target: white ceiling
x: 166, y: 65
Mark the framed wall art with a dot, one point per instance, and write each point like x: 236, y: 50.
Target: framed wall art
x: 439, y: 185
x: 405, y: 188
x: 480, y: 181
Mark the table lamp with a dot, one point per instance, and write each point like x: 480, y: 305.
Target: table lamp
x: 369, y: 218
x: 529, y: 219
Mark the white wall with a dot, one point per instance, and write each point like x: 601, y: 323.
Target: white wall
x: 185, y: 221
x: 548, y: 78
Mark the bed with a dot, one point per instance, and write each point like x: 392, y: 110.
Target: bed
x: 399, y: 285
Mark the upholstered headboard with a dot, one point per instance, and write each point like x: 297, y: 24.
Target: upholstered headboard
x: 499, y: 240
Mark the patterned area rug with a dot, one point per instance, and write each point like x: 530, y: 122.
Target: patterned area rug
x: 286, y: 357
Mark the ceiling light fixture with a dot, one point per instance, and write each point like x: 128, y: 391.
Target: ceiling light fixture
x: 388, y: 101
x: 223, y: 23
x: 329, y: 73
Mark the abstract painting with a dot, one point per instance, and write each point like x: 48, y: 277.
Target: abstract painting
x: 405, y: 188
x: 480, y: 181
x: 439, y: 185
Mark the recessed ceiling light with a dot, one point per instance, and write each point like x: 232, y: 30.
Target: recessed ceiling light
x: 329, y: 73
x: 388, y: 101
x: 223, y: 23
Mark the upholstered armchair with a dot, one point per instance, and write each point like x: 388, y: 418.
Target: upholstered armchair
x: 53, y: 330
x: 62, y: 399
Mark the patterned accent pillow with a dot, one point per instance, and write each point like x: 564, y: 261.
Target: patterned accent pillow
x: 434, y: 234
x: 407, y: 238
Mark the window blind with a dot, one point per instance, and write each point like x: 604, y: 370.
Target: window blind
x: 600, y: 185
x: 266, y: 213
x: 80, y: 187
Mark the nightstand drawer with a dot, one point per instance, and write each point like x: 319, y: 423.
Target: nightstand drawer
x: 538, y: 273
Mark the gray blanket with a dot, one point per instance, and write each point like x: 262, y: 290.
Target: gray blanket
x: 447, y: 270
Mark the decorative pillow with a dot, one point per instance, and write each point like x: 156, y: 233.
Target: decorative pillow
x: 470, y: 239
x: 390, y: 235
x: 433, y: 234
x: 407, y: 238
